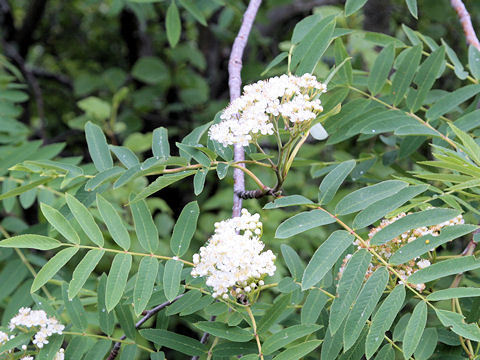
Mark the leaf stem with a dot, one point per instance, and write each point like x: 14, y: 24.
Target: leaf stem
x: 254, y: 326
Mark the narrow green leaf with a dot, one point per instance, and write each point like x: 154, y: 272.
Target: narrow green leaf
x: 99, y: 350
x: 85, y: 219
x: 412, y: 7
x: 173, y: 24
x: 380, y: 70
x: 181, y: 343
x: 383, y: 319
x: 362, y: 309
x: 98, y: 147
x: 382, y: 207
x: 24, y: 188
x: 171, y: 278
x: 125, y: 318
x: 406, y: 69
x: 147, y: 232
x: 348, y: 288
x: 456, y: 322
x: 161, y: 182
x: 474, y: 61
x: 199, y: 181
x: 452, y: 293
x: 426, y: 76
x: 83, y: 270
x: 49, y: 351
x: 184, y: 229
x: 277, y: 60
x: 114, y: 223
x: 450, y: 101
x: 126, y: 156
x: 302, y: 222
x: 360, y: 199
x: 75, y: 310
x: 352, y: 6
x: 386, y: 353
x: 331, y: 183
x: 444, y: 268
x: 273, y: 314
x: 53, y: 265
x: 232, y: 333
x: 147, y: 273
x: 332, y: 344
x: 429, y: 342
x: 286, y: 336
x: 412, y: 221
x: 129, y: 352
x: 77, y: 346
x: 345, y: 72
x: 325, y: 257
x: 291, y: 200
x: 320, y: 43
x: 414, y: 329
x: 192, y: 8
x: 459, y: 69
x: 313, y: 306
x: 298, y: 351
x: 428, y: 242
x: 191, y: 151
x: 160, y: 144
x: 103, y: 176
x: 106, y: 319
x: 188, y: 299
x: 471, y: 147
x: 293, y: 262
x: 117, y: 279
x: 30, y: 241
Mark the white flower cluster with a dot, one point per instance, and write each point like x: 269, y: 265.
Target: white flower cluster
x: 293, y: 98
x: 233, y: 260
x: 38, y: 319
x: 386, y: 250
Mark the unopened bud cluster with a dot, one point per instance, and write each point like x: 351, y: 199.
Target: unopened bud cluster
x: 388, y: 249
x: 291, y: 98
x: 37, y: 321
x: 233, y: 261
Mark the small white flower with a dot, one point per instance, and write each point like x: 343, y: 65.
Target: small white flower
x: 3, y: 337
x: 59, y: 355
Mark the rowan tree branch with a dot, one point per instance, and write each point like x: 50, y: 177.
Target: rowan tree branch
x: 466, y: 22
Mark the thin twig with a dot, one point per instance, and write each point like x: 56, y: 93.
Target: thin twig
x: 466, y: 22
x: 235, y: 83
x: 148, y: 315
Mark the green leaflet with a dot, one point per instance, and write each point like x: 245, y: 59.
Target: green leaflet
x: 425, y: 77
x: 181, y: 343
x: 474, y: 61
x: 429, y: 343
x: 313, y: 305
x: 348, y: 288
x: 30, y: 241
x: 24, y: 188
x: 98, y: 147
x: 331, y: 183
x: 302, y: 222
x: 83, y: 270
x: 53, y: 265
x: 284, y: 201
x: 106, y: 319
x: 381, y: 68
x: 199, y: 181
x: 428, y: 242
x: 192, y: 8
x: 325, y: 257
x: 293, y: 261
x: 147, y: 273
x: 298, y: 351
x: 273, y: 313
x: 382, y: 207
x: 406, y: 68
x: 126, y: 156
x: 161, y: 182
x: 452, y: 293
x: 173, y: 24
x: 457, y: 323
x: 412, y: 7
x: 184, y: 229
x: 361, y: 198
x: 171, y: 278
x: 414, y: 329
x: 103, y: 177
x: 114, y: 223
x: 232, y: 333
x: 85, y: 219
x: 352, y: 6
x: 386, y: 353
x: 383, y: 319
x: 444, y: 268
x: 366, y: 301
x: 147, y: 232
x: 75, y: 310
x: 448, y: 102
x: 286, y: 336
x: 125, y: 318
x: 412, y: 221
x: 117, y: 279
